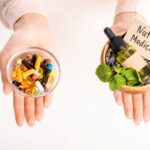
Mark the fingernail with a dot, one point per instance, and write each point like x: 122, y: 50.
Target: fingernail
x: 129, y: 115
x: 119, y: 102
x: 146, y: 120
x: 39, y: 117
x: 19, y: 122
x: 137, y: 121
x: 31, y: 122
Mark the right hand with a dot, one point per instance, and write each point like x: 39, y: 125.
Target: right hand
x: 136, y: 106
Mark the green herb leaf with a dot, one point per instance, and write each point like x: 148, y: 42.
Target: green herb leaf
x: 119, y: 70
x: 117, y: 81
x: 120, y: 80
x: 131, y: 77
x: 104, y: 72
x: 113, y: 84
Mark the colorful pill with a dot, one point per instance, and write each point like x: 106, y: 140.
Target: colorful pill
x: 32, y: 74
x: 19, y: 61
x: 46, y: 61
x: 34, y: 77
x: 45, y: 79
x: 52, y: 74
x: 34, y: 57
x: 38, y: 63
x: 14, y: 74
x: 16, y: 83
x: 44, y: 67
x: 24, y: 68
x: 27, y: 64
x: 50, y: 82
x: 39, y: 86
x: 28, y: 73
x: 50, y: 67
x: 18, y: 75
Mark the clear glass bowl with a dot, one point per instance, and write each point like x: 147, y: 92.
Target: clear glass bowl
x: 30, y: 51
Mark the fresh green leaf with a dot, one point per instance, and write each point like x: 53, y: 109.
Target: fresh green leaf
x: 113, y: 84
x: 131, y: 77
x: 120, y: 80
x: 116, y: 81
x: 104, y: 72
x: 119, y: 70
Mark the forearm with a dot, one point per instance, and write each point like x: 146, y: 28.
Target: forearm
x: 126, y: 6
x: 12, y: 10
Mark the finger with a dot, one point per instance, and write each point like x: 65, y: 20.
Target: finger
x: 6, y: 86
x: 127, y: 103
x: 118, y: 28
x: 39, y: 108
x: 118, y: 97
x: 146, y: 107
x: 30, y: 110
x: 47, y: 100
x: 137, y: 108
x: 18, y: 102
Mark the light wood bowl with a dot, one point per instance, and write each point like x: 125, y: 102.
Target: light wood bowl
x: 127, y: 89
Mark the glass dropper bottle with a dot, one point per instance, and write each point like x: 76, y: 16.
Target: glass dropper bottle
x: 127, y: 55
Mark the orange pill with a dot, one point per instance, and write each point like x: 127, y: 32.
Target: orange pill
x: 18, y: 75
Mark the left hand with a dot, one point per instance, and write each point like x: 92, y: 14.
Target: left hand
x: 136, y: 106
x: 32, y: 30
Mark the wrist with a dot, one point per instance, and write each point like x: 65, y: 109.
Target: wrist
x: 126, y: 6
x: 31, y: 20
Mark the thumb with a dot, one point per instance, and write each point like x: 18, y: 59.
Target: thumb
x: 6, y: 86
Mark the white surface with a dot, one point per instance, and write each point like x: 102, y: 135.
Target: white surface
x: 83, y: 115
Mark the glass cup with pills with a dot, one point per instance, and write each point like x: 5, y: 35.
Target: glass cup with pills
x: 33, y: 72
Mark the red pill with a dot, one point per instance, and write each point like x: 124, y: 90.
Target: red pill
x: 25, y: 68
x: 34, y: 77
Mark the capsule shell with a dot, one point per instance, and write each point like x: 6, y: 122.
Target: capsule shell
x: 27, y: 64
x: 50, y: 82
x: 38, y: 63
x: 28, y: 73
x: 50, y: 67
x: 34, y: 77
x: 18, y: 75
x: 39, y: 86
x: 14, y: 74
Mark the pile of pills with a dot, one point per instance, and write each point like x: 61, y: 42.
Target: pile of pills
x: 33, y: 74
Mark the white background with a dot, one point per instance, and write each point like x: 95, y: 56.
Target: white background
x: 83, y: 115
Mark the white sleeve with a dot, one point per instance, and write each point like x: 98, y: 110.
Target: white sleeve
x: 12, y: 10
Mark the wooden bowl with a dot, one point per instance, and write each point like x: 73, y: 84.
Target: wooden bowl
x: 127, y: 89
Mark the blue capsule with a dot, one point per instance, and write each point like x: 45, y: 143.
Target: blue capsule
x: 50, y: 67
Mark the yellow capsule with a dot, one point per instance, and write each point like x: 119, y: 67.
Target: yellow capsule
x: 18, y: 75
x: 52, y: 74
x: 38, y: 63
x: 25, y: 85
x: 14, y: 74
x: 34, y: 90
x: 19, y: 61
x: 28, y: 73
x: 50, y: 82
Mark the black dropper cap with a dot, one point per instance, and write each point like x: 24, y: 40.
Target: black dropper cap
x: 116, y: 42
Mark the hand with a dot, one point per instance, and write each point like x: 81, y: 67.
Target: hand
x: 30, y: 30
x: 136, y: 106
